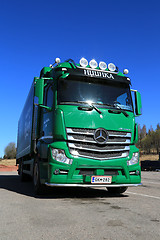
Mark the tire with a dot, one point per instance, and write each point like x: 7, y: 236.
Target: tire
x: 117, y: 190
x: 39, y: 188
x: 24, y: 177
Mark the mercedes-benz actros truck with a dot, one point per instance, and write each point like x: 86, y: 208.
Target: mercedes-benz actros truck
x: 78, y: 128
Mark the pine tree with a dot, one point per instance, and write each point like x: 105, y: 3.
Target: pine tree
x: 143, y: 131
x: 158, y: 126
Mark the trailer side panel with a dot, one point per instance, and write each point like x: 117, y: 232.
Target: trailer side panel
x: 24, y: 139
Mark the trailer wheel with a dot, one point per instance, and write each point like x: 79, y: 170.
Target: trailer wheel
x: 116, y: 190
x: 38, y: 187
x: 24, y: 177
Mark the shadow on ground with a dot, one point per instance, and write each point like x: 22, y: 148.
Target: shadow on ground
x: 13, y: 183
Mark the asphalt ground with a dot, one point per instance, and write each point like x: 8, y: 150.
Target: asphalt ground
x: 79, y: 213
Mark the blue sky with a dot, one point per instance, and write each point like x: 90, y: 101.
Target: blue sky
x: 34, y: 33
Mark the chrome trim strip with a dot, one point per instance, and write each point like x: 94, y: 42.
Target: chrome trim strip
x: 72, y: 145
x: 89, y: 141
x: 91, y: 185
x: 80, y: 140
x: 123, y: 155
x: 115, y: 135
x: 69, y: 130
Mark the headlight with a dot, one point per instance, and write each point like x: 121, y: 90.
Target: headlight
x: 134, y: 159
x: 60, y: 156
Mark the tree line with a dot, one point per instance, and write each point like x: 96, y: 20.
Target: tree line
x: 10, y: 151
x: 149, y: 141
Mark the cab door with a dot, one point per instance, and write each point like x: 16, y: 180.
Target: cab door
x: 46, y: 122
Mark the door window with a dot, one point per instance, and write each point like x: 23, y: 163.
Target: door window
x: 46, y: 116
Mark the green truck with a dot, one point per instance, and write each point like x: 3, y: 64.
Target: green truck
x: 78, y: 129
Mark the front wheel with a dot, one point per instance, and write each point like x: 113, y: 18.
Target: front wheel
x: 38, y: 187
x: 116, y: 190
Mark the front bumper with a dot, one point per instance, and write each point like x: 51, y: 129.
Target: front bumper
x: 91, y: 185
x: 79, y: 173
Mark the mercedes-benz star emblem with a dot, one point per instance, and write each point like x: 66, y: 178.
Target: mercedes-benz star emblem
x: 101, y: 135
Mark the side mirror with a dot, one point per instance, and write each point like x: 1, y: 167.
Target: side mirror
x: 39, y: 92
x: 138, y: 103
x: 39, y: 89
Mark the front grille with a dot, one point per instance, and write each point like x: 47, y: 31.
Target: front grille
x: 81, y: 143
x: 92, y: 171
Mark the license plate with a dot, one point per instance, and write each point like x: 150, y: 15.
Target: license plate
x: 101, y: 179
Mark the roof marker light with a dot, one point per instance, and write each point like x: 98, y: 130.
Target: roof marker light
x: 83, y: 62
x: 102, y: 65
x: 111, y: 67
x: 93, y: 63
x: 125, y: 71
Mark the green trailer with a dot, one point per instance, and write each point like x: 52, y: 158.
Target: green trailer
x: 78, y: 128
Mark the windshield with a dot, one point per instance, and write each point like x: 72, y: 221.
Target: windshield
x: 99, y: 92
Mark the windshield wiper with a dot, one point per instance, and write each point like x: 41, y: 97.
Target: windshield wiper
x: 95, y: 108
x: 119, y: 108
x: 91, y: 106
x: 115, y: 105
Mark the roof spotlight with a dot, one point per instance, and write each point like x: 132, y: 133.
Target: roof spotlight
x: 93, y: 63
x: 111, y: 67
x: 83, y: 62
x: 125, y: 71
x: 57, y: 60
x: 102, y: 65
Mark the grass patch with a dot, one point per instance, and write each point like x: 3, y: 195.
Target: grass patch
x: 150, y: 157
x: 8, y: 162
